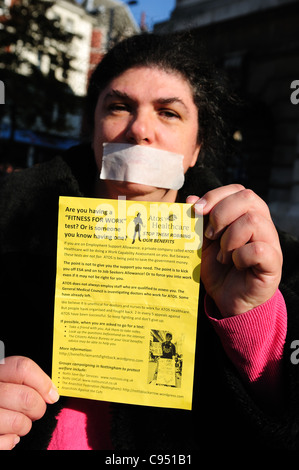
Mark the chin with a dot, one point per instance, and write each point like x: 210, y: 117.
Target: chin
x: 128, y: 189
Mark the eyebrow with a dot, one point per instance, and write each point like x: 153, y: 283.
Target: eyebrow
x: 120, y: 94
x: 171, y: 101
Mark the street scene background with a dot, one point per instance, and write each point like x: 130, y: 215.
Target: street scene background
x: 48, y: 50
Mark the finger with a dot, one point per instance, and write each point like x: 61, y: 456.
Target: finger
x: 211, y: 198
x: 13, y: 422
x: 226, y: 211
x: 192, y: 199
x: 248, y: 228
x: 23, y: 399
x: 23, y: 371
x: 261, y: 257
x: 9, y: 441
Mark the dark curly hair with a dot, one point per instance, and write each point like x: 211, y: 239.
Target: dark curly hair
x: 177, y: 53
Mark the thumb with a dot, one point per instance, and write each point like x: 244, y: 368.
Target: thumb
x: 22, y: 370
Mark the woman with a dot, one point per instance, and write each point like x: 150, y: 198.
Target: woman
x: 154, y: 92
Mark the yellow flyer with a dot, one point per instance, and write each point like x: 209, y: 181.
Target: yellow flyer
x: 126, y: 301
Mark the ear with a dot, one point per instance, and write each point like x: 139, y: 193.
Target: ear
x: 195, y: 155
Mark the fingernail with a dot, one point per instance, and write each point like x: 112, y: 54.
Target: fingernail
x: 209, y: 233
x: 199, y: 206
x: 16, y: 441
x: 219, y: 257
x: 53, y: 394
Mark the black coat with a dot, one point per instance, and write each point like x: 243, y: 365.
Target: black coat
x: 224, y: 414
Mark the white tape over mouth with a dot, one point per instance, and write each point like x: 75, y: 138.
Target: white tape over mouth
x: 142, y: 164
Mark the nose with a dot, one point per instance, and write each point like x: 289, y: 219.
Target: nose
x: 140, y: 129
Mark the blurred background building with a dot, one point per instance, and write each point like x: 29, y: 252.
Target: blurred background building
x: 48, y: 50
x: 256, y: 42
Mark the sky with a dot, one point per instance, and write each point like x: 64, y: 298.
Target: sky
x: 155, y: 11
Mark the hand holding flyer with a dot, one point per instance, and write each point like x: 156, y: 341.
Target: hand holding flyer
x: 126, y: 301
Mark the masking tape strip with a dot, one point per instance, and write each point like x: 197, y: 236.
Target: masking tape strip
x: 142, y: 164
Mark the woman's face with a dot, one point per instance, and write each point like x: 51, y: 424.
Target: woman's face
x: 152, y: 107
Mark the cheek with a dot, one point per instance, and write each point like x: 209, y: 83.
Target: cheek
x: 105, y: 131
x: 100, y: 134
x: 113, y: 126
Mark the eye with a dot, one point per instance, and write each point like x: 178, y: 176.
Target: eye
x: 118, y: 107
x: 169, y: 113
